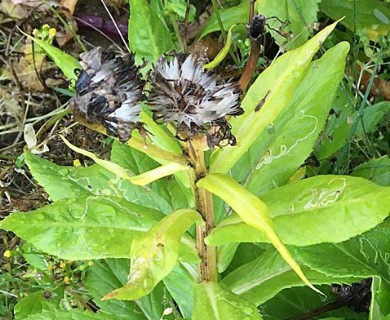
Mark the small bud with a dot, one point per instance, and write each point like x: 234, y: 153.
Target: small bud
x: 52, y: 32
x: 7, y: 253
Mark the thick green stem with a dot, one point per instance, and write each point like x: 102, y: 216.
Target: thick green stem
x: 204, y: 204
x: 208, y: 266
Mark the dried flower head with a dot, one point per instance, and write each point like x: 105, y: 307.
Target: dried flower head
x: 109, y: 91
x: 185, y: 95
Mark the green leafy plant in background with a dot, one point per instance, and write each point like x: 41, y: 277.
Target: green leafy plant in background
x: 134, y: 214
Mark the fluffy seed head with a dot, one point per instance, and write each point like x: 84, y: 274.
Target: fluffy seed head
x: 109, y: 91
x: 185, y: 95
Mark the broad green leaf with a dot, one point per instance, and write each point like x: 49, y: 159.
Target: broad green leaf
x: 72, y: 314
x: 33, y: 304
x: 180, y: 284
x: 214, y: 301
x: 109, y: 274
x: 291, y: 138
x: 300, y: 15
x: 154, y: 304
x: 154, y: 254
x: 339, y: 123
x: 246, y: 252
x: 69, y: 182
x: 380, y: 297
x: 225, y: 255
x: 229, y: 16
x: 363, y: 256
x: 369, y: 17
x: 33, y: 257
x: 377, y: 170
x: 167, y: 194
x: 278, y: 81
x: 64, y: 61
x: 142, y: 179
x: 108, y: 165
x: 179, y: 7
x: 164, y: 140
x: 188, y: 251
x: 148, y: 36
x: 131, y: 159
x: 83, y: 228
x: 62, y: 182
x: 252, y: 210
x: 263, y: 278
x: 297, y: 301
x: 159, y: 135
x: 106, y: 275
x: 303, y: 212
x: 372, y: 116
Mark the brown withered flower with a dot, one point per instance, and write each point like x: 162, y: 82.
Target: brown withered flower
x: 183, y: 94
x: 109, y: 91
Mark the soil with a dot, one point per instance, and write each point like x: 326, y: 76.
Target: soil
x: 36, y: 98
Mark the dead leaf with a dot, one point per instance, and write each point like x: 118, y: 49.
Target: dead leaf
x: 20, y: 9
x: 31, y: 140
x: 70, y: 5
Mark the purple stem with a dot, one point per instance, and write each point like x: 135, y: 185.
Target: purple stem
x: 105, y: 25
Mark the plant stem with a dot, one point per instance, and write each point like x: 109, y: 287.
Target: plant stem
x: 204, y: 204
x: 250, y: 66
x: 14, y: 284
x: 208, y: 266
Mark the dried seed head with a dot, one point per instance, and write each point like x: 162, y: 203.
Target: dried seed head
x: 185, y: 95
x: 109, y: 91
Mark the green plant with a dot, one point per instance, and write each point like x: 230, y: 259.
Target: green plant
x: 136, y: 211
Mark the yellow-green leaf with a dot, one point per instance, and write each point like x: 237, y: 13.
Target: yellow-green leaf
x: 64, y: 61
x: 154, y: 254
x: 222, y: 54
x: 160, y: 172
x: 252, y: 211
x: 108, y: 165
x: 215, y: 301
x: 277, y: 83
x: 141, y: 179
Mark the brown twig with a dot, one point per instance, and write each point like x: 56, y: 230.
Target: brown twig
x: 255, y: 31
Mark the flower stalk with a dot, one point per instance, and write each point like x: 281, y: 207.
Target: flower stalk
x: 185, y: 95
x: 204, y: 205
